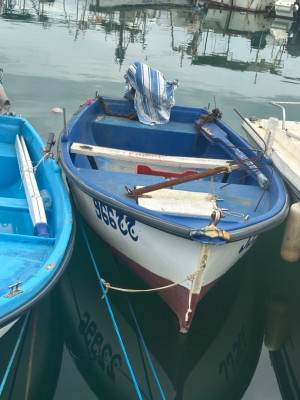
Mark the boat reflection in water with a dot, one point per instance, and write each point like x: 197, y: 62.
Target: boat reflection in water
x: 214, y: 37
x: 220, y: 38
x: 283, y: 323
x: 35, y: 368
x: 216, y: 359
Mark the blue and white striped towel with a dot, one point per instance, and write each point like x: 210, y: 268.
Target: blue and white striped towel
x: 153, y: 95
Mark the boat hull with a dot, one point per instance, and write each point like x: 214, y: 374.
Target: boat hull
x: 36, y: 222
x: 186, y: 268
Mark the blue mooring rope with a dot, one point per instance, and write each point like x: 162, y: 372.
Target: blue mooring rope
x: 146, y: 351
x: 13, y: 354
x: 144, y: 345
x: 111, y: 313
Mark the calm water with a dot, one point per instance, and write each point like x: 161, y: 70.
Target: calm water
x: 59, y: 54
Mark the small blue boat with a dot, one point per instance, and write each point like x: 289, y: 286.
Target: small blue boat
x: 36, y: 222
x: 180, y: 202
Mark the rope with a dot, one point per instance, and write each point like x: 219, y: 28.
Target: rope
x: 143, y: 342
x: 108, y: 286
x: 111, y: 312
x: 146, y: 351
x: 189, y: 310
x: 13, y: 354
x: 132, y: 116
x: 45, y: 156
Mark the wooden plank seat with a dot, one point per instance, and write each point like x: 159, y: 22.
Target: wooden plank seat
x: 148, y: 158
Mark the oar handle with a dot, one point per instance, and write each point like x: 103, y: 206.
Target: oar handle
x: 177, y: 181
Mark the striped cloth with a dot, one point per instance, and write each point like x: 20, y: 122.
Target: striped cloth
x: 152, y: 94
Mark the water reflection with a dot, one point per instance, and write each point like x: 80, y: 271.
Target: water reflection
x: 281, y: 280
x: 31, y: 12
x: 35, y: 368
x: 215, y: 360
x: 220, y: 38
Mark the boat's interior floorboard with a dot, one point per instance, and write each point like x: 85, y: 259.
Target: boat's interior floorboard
x: 234, y: 197
x: 29, y: 259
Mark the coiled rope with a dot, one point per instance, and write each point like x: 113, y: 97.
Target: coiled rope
x: 14, y: 353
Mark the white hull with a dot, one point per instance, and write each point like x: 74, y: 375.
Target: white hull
x: 161, y: 258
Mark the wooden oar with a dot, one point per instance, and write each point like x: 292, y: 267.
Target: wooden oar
x: 218, y: 136
x: 177, y: 181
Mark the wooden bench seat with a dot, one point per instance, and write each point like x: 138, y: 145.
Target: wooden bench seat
x: 149, y: 158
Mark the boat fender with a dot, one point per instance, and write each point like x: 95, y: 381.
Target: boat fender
x: 41, y: 229
x: 290, y: 245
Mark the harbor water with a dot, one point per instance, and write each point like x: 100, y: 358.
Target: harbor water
x: 244, y: 342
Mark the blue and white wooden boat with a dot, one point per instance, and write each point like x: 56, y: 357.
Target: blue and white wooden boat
x: 180, y: 202
x: 36, y: 223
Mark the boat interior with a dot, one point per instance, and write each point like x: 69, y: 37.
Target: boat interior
x: 109, y: 153
x: 16, y: 226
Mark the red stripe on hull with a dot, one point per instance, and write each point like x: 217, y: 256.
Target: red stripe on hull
x: 177, y: 297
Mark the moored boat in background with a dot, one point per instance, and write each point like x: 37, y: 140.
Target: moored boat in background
x: 281, y: 142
